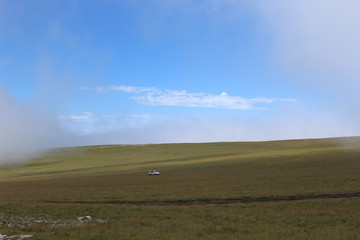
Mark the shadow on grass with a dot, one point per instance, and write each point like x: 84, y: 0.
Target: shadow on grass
x: 205, y: 201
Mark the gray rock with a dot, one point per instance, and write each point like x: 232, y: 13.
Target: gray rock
x: 84, y: 219
x: 16, y: 237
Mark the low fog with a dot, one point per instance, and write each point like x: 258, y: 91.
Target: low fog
x: 26, y: 131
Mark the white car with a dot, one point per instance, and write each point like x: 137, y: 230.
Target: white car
x: 153, y: 172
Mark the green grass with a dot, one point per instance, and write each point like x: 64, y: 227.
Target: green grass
x: 100, y: 175
x: 132, y: 158
x: 325, y: 219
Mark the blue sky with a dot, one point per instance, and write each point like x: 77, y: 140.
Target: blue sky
x: 137, y: 71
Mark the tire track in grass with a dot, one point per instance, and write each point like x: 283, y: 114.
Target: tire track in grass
x: 207, y: 201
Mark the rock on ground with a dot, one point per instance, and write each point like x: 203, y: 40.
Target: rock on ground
x: 15, y: 237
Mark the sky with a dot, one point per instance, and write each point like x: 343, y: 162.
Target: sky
x: 76, y: 72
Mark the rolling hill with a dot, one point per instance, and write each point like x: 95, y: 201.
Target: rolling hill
x: 194, y: 178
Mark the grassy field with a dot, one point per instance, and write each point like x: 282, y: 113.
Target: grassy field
x: 199, y: 195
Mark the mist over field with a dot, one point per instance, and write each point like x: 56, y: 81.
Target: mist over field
x: 26, y: 131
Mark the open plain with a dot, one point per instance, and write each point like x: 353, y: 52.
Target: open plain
x: 295, y: 189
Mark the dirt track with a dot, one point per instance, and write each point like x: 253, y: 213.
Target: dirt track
x: 204, y: 201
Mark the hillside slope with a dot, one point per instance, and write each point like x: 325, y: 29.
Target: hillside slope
x: 188, y: 171
x: 293, y: 190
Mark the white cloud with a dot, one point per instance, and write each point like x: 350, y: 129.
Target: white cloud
x: 131, y: 89
x: 126, y: 89
x: 203, y: 100
x: 164, y: 97
x: 144, y: 116
x: 80, y: 117
x: 90, y: 123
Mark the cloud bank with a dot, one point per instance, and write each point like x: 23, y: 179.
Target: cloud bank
x: 225, y: 128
